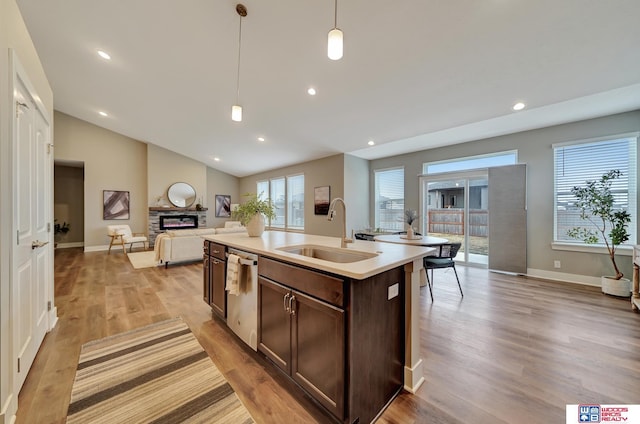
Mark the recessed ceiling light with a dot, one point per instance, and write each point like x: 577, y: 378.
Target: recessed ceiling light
x: 371, y: 143
x: 217, y: 159
x: 311, y: 91
x: 260, y: 138
x: 103, y: 113
x: 104, y: 55
x: 518, y: 106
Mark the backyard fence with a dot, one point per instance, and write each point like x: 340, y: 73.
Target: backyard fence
x: 451, y: 221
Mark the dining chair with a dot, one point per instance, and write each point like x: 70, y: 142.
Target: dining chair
x: 445, y: 259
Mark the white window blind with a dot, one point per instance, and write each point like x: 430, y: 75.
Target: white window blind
x: 389, y: 199
x: 295, y: 202
x: 262, y: 188
x: 576, y: 163
x: 278, y: 200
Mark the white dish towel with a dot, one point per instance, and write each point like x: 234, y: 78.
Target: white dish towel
x: 233, y: 270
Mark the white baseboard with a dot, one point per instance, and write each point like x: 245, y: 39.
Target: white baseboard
x: 98, y: 248
x: 564, y: 277
x: 70, y: 245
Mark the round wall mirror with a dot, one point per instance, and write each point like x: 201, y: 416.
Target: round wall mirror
x: 181, y: 195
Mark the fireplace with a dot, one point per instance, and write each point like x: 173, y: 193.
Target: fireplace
x: 178, y: 222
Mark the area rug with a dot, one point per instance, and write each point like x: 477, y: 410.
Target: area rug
x: 154, y: 374
x: 143, y: 259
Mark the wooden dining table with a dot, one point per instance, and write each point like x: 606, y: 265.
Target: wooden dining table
x: 416, y: 241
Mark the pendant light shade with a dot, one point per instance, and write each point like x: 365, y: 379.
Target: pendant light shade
x: 334, y: 45
x: 236, y: 110
x: 236, y: 113
x: 334, y: 42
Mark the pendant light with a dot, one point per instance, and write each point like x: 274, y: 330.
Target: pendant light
x: 236, y: 110
x: 334, y: 45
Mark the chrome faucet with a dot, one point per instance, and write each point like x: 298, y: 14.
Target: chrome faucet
x: 332, y: 213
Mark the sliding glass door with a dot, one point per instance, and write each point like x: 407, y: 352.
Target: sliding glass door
x: 455, y: 206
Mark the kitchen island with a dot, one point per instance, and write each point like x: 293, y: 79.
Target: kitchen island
x: 346, y: 332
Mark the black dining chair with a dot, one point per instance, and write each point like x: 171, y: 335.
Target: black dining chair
x: 445, y: 259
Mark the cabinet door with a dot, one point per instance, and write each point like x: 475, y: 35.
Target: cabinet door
x: 274, y: 323
x: 318, y: 351
x: 206, y: 280
x: 218, y: 295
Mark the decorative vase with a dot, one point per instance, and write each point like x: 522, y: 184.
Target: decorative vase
x: 255, y: 226
x: 410, y: 233
x: 620, y: 288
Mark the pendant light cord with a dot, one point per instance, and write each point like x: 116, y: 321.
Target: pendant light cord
x: 238, y: 74
x: 335, y: 15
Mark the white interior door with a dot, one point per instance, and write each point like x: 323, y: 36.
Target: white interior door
x: 32, y: 265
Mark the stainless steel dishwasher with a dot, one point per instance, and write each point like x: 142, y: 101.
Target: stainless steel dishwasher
x: 242, y: 309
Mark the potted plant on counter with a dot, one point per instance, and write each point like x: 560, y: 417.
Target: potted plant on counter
x: 252, y: 213
x: 609, y: 225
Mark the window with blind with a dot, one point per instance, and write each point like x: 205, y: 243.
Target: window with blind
x: 295, y: 202
x: 287, y: 196
x: 578, y: 162
x: 389, y: 199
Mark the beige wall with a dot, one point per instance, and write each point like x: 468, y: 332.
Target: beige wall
x: 220, y: 183
x: 68, y: 202
x: 14, y: 36
x: 165, y: 167
x: 534, y: 149
x: 322, y: 172
x: 116, y: 162
x: 111, y: 162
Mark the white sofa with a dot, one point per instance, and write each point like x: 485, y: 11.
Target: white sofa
x: 187, y: 245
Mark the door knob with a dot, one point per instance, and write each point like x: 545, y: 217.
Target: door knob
x: 36, y: 244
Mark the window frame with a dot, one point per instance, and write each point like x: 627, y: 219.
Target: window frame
x: 261, y: 185
x: 376, y: 218
x: 632, y: 199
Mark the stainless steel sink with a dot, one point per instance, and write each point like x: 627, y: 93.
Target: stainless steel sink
x: 328, y: 253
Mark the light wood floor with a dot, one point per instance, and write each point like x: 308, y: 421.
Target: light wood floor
x: 513, y: 350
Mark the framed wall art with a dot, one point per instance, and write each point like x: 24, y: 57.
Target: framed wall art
x: 115, y: 204
x: 321, y: 200
x: 223, y: 206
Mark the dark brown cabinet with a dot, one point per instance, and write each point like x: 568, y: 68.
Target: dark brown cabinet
x: 214, y: 277
x: 305, y: 338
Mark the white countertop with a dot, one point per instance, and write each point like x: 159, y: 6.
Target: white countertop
x: 389, y: 255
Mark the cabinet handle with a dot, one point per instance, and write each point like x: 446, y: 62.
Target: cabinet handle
x: 292, y: 310
x: 284, y: 302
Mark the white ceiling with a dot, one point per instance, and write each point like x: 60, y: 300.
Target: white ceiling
x: 415, y: 74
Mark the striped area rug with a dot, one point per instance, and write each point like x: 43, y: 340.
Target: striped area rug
x: 154, y: 374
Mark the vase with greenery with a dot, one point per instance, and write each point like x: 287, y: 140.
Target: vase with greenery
x: 252, y: 213
x: 596, y: 203
x: 410, y: 216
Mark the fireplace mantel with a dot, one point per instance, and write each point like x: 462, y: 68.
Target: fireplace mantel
x: 171, y: 208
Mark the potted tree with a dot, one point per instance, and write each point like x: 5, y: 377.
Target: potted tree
x: 253, y: 212
x: 609, y: 225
